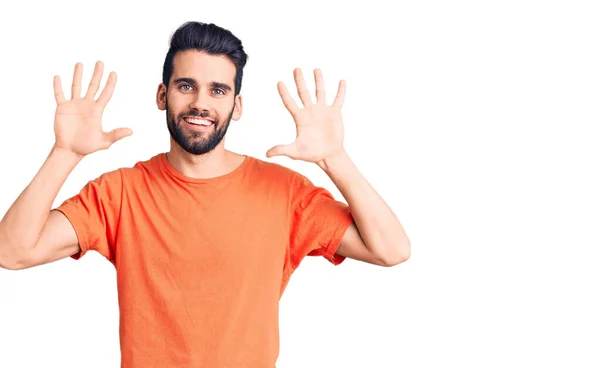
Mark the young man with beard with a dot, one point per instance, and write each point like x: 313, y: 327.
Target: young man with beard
x: 204, y: 240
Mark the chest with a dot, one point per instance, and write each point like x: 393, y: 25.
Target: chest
x: 206, y: 234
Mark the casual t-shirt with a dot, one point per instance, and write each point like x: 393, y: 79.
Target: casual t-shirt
x: 201, y: 264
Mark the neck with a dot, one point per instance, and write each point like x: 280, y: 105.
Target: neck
x: 215, y: 163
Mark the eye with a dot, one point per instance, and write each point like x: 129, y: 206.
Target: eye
x: 219, y: 91
x: 184, y: 86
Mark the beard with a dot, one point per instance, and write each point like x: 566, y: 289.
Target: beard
x: 192, y: 141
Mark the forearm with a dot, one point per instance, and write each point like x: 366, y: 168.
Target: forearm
x: 22, y: 224
x: 377, y: 224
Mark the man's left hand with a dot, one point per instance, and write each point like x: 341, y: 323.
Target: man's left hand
x: 319, y: 127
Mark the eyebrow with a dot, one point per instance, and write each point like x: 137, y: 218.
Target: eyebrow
x: 193, y: 82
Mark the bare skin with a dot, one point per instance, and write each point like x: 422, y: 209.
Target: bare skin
x: 199, y: 93
x: 376, y: 236
x: 30, y: 232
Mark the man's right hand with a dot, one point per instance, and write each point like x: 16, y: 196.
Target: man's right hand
x: 78, y: 121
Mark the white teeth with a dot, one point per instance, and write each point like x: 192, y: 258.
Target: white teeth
x: 198, y: 121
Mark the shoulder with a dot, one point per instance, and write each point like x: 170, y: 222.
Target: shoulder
x: 125, y: 174
x: 293, y: 183
x: 140, y: 168
x: 279, y: 172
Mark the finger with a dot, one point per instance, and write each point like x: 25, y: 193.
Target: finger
x: 58, y: 92
x: 116, y: 135
x: 107, y: 92
x: 341, y: 94
x: 287, y: 99
x: 95, y: 82
x: 76, y: 85
x: 301, y: 86
x: 288, y: 150
x: 319, y: 87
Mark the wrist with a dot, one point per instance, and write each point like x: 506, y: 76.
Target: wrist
x: 334, y: 161
x: 65, y: 154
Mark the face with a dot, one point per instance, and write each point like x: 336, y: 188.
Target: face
x: 199, y: 101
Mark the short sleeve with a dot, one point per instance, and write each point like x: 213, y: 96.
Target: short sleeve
x: 318, y: 222
x: 94, y: 214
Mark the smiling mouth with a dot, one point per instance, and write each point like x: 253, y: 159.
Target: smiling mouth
x: 198, y: 121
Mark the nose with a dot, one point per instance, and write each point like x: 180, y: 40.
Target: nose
x: 200, y: 102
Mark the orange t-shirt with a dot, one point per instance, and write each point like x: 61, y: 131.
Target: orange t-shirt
x: 202, y: 263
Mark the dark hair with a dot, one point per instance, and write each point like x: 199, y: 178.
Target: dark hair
x: 208, y: 38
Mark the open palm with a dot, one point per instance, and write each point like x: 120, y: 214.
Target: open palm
x: 319, y: 127
x: 78, y: 121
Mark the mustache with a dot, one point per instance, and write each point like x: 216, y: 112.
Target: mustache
x: 200, y: 114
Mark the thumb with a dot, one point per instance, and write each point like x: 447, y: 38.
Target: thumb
x: 282, y: 150
x: 117, y: 134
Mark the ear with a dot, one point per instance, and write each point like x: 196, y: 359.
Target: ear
x: 161, y: 97
x: 237, y: 109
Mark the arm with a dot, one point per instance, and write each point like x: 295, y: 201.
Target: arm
x: 30, y: 233
x: 376, y: 236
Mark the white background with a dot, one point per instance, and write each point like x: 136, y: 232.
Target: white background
x: 475, y: 120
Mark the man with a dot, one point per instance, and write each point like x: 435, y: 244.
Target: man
x: 204, y: 240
